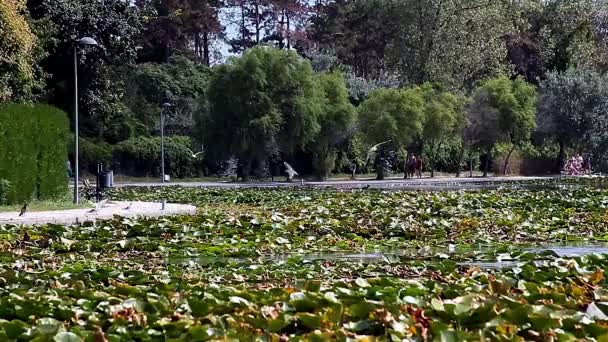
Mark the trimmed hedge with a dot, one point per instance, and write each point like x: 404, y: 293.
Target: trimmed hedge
x: 5, y: 187
x: 140, y: 157
x: 33, y: 151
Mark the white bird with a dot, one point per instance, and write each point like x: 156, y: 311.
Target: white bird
x: 374, y: 149
x: 98, y: 206
x: 290, y: 171
x: 195, y: 155
x: 451, y: 248
x: 129, y: 206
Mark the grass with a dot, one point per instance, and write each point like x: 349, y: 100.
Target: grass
x: 63, y: 202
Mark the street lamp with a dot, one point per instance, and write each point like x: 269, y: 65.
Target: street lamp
x: 79, y: 42
x: 165, y: 106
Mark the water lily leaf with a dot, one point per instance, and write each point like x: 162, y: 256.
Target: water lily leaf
x: 67, y: 337
x: 14, y: 328
x: 48, y: 326
x: 240, y: 300
x: 309, y: 320
x: 361, y: 310
x: 595, y: 312
x: 276, y: 325
x: 362, y: 282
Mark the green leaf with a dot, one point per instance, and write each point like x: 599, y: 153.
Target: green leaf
x: 67, y: 337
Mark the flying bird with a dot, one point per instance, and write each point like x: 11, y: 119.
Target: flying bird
x: 195, y: 155
x: 98, y: 206
x: 23, y: 209
x: 129, y: 206
x: 290, y: 171
x: 374, y: 149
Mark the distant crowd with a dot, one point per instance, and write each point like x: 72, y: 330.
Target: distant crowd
x: 578, y: 165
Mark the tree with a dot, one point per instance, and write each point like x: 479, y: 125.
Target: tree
x: 288, y: 17
x: 443, y: 119
x: 114, y: 24
x: 261, y: 104
x: 556, y: 35
x: 18, y: 79
x: 336, y: 121
x: 391, y: 114
x: 502, y: 110
x: 253, y: 19
x: 189, y: 27
x: 358, y: 31
x: 452, y: 42
x: 571, y: 107
x: 180, y: 82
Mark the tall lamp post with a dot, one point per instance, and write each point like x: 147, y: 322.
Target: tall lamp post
x: 165, y: 107
x: 79, y: 42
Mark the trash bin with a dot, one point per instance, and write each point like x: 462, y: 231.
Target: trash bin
x: 107, y: 179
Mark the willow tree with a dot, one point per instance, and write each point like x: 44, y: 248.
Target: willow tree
x: 261, y: 104
x: 17, y: 52
x: 391, y: 114
x: 443, y: 120
x: 336, y: 122
x: 503, y: 110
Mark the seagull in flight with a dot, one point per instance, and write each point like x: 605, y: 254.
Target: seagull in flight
x: 374, y: 149
x: 98, y: 206
x: 290, y: 171
x: 195, y: 155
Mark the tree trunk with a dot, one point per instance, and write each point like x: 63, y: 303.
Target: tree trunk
x: 288, y: 33
x: 380, y: 164
x: 486, y: 164
x: 206, y: 48
x: 470, y: 167
x: 561, y: 157
x: 460, y: 159
x: 243, y: 37
x: 380, y: 171
x: 257, y: 23
x: 504, y: 172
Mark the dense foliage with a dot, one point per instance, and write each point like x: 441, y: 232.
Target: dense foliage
x: 33, y: 151
x: 17, y: 53
x: 278, y: 109
x: 320, y: 265
x: 141, y: 157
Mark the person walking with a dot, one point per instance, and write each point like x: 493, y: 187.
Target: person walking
x: 411, y: 166
x: 419, y: 166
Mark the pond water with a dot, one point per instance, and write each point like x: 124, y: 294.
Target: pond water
x: 543, y: 252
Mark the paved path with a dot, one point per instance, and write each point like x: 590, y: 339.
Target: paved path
x: 424, y: 183
x: 109, y: 210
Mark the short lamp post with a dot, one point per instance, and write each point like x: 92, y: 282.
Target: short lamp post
x: 165, y: 107
x: 79, y: 42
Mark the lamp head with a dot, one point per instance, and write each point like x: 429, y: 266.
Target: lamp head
x: 87, y: 41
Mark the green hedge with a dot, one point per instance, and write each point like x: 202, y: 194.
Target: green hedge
x: 33, y: 151
x: 140, y: 157
x: 5, y: 187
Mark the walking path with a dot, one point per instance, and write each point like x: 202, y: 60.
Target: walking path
x: 423, y: 183
x: 108, y: 211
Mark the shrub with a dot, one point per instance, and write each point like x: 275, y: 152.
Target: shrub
x: 141, y: 157
x: 52, y: 137
x: 90, y: 153
x: 33, y: 151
